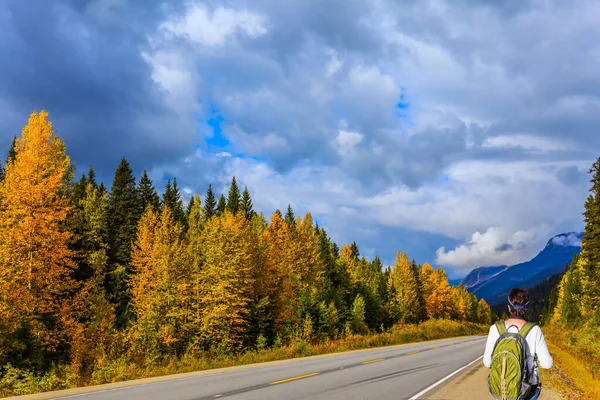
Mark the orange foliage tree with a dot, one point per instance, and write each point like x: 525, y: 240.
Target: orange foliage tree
x: 35, y: 261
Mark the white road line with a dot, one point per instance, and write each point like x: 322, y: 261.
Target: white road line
x: 421, y: 393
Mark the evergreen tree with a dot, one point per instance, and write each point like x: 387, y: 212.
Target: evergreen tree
x: 2, y: 173
x: 172, y: 200
x: 221, y: 206
x: 210, y: 205
x: 102, y: 188
x: 147, y: 194
x: 122, y: 215
x: 12, y: 151
x: 591, y: 240
x: 571, y: 305
x: 290, y: 219
x: 246, y: 204
x: 233, y: 199
x: 91, y: 177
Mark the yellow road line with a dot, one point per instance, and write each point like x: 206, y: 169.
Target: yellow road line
x: 413, y: 352
x: 436, y: 347
x: 374, y: 361
x: 451, y: 344
x: 294, y: 378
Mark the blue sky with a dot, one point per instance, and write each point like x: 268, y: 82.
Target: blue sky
x: 458, y: 131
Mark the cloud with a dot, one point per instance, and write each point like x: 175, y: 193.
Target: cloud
x: 572, y: 239
x: 410, y: 124
x: 213, y: 27
x: 495, y: 246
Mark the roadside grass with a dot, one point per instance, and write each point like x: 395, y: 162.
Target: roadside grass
x: 20, y: 382
x: 572, y: 374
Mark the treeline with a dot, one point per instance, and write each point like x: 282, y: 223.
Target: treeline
x: 88, y: 276
x: 574, y: 304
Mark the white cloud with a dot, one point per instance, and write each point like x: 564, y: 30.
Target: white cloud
x: 173, y: 72
x: 346, y: 142
x: 567, y: 240
x: 527, y: 142
x: 213, y: 28
x: 496, y: 246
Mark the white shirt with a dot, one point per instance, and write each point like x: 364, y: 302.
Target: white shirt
x: 536, y: 346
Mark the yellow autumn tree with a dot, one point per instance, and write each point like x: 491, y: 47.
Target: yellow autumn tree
x: 284, y: 276
x: 226, y: 281
x: 35, y: 261
x: 405, y: 284
x: 160, y: 285
x: 484, y: 313
x: 436, y: 292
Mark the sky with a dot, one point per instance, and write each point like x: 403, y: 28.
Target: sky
x: 458, y: 131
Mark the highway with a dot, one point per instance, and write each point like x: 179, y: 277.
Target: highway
x: 391, y: 373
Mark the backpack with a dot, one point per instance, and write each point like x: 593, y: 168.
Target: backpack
x: 509, y: 378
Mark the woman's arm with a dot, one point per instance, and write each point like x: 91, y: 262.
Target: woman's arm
x: 493, y: 335
x: 541, y: 350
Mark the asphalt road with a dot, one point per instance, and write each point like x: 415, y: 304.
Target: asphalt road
x: 395, y: 373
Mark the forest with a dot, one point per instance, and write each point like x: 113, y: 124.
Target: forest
x: 572, y: 316
x: 90, y: 277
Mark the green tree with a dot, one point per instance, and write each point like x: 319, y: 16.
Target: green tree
x: 233, y: 199
x: 358, y: 315
x: 290, y: 219
x: 122, y: 215
x: 172, y: 200
x: 210, y: 205
x: 221, y: 206
x: 91, y: 177
x: 246, y: 204
x: 591, y: 240
x: 147, y: 193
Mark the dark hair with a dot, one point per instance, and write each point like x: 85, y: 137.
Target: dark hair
x: 518, y: 300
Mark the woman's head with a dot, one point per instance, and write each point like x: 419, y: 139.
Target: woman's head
x: 518, y: 301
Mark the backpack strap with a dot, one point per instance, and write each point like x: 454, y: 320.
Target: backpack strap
x: 526, y: 329
x: 501, y: 328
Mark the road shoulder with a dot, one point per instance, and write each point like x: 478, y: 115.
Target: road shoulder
x: 470, y: 385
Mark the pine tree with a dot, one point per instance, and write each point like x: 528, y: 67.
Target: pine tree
x: 246, y: 204
x: 172, y: 200
x: 591, y: 241
x: 571, y: 305
x: 2, y: 172
x: 12, y: 151
x: 35, y: 261
x: 210, y: 205
x: 290, y: 219
x: 91, y: 177
x: 91, y: 307
x: 122, y: 215
x: 147, y: 194
x: 221, y: 206
x: 233, y: 199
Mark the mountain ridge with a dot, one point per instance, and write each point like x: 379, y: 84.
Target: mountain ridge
x: 494, y: 283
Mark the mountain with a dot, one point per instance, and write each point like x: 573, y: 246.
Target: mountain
x: 481, y: 274
x: 494, y: 283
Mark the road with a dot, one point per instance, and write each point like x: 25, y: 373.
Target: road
x: 398, y: 372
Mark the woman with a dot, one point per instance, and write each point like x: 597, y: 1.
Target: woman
x: 535, y: 348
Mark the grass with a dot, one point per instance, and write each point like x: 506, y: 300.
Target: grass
x: 18, y: 382
x: 573, y: 371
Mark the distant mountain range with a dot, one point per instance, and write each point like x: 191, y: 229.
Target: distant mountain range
x: 494, y: 283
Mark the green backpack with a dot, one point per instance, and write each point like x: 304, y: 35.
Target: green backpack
x: 509, y: 376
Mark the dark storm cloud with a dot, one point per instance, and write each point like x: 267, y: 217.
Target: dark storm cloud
x: 91, y: 79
